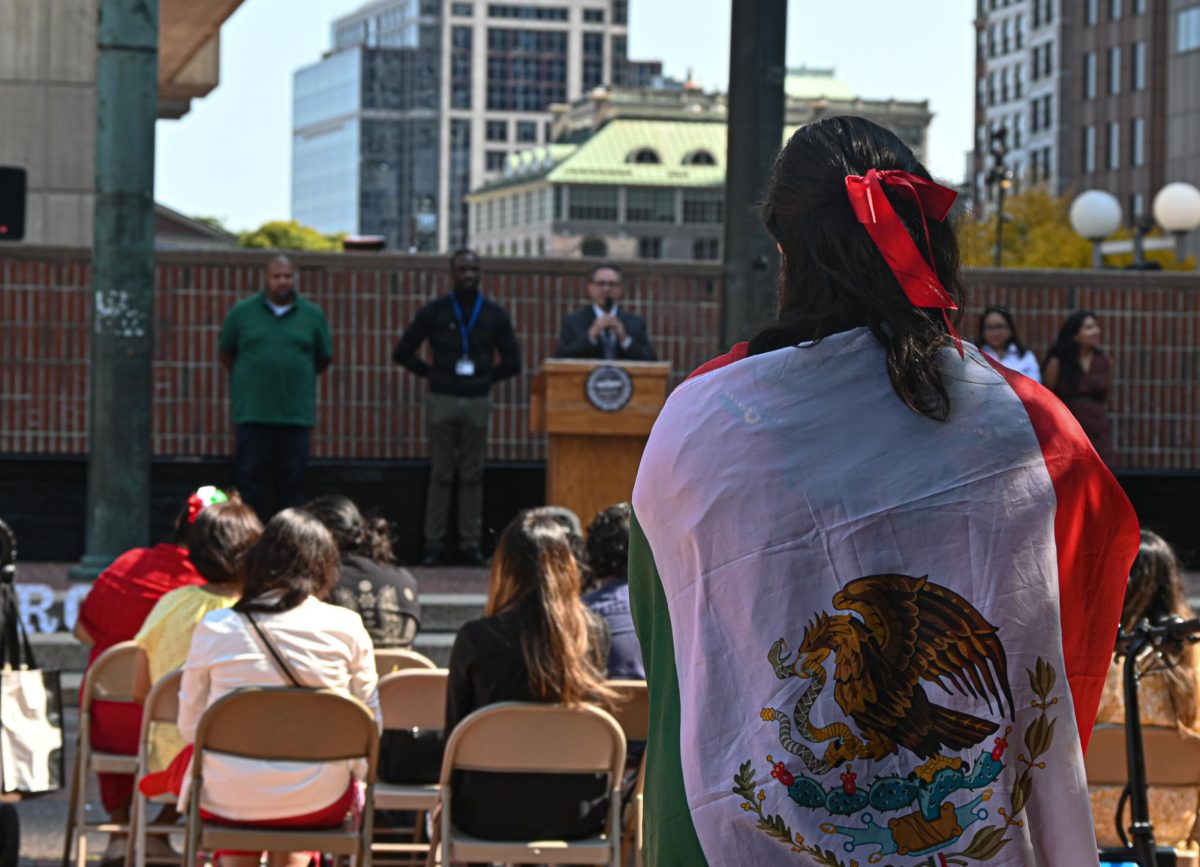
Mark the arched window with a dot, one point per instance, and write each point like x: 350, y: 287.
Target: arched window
x: 647, y: 156
x: 700, y: 158
x: 594, y: 248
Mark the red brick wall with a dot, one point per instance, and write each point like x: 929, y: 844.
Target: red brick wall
x: 369, y: 408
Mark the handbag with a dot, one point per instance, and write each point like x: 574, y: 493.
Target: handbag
x: 31, y: 726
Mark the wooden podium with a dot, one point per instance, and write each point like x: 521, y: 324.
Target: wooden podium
x: 598, y: 415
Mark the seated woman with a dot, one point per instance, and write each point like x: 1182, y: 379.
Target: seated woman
x: 1167, y: 693
x: 216, y: 543
x: 608, y: 553
x: 535, y: 642
x: 383, y: 594
x: 114, y: 610
x: 286, y: 574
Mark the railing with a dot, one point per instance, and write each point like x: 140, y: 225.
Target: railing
x: 369, y: 408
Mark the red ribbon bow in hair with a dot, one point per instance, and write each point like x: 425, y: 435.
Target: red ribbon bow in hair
x: 913, y: 271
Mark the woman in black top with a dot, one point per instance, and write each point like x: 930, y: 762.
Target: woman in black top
x: 535, y: 642
x: 383, y: 594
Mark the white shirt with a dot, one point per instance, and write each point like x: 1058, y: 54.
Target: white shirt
x: 600, y: 311
x: 1026, y: 364
x: 280, y: 309
x: 325, y: 646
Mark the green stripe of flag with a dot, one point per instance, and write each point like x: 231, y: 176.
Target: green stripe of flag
x: 670, y: 838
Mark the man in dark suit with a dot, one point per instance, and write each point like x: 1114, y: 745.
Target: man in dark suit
x: 603, y: 329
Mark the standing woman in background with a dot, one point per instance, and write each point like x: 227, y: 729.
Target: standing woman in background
x: 1079, y: 372
x: 998, y: 338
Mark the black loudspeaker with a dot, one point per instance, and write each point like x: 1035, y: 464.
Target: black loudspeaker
x: 12, y: 203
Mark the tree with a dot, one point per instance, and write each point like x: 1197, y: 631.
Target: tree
x: 289, y: 235
x: 1038, y: 234
x: 214, y: 223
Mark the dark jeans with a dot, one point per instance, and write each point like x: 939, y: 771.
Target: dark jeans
x: 271, y: 451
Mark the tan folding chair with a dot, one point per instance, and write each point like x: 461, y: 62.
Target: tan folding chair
x: 162, y: 706
x: 520, y: 737
x: 632, y: 711
x: 287, y: 725
x: 120, y: 675
x: 395, y: 659
x: 410, y: 699
x: 1172, y: 761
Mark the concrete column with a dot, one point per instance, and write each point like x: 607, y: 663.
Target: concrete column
x: 122, y: 339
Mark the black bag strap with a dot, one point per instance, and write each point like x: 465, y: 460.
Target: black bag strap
x: 276, y: 657
x: 15, y: 649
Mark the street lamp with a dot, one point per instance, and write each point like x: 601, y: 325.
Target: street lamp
x: 1095, y: 215
x: 1177, y: 210
x: 1000, y: 178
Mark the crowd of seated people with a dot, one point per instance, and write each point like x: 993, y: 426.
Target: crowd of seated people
x: 304, y: 602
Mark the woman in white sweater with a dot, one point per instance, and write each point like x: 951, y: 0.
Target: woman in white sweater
x: 287, y: 573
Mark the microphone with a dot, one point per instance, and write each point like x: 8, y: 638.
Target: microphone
x: 609, y: 304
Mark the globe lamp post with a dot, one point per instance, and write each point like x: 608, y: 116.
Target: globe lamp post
x: 1095, y: 215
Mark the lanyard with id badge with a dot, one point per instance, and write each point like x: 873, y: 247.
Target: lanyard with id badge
x: 465, y: 366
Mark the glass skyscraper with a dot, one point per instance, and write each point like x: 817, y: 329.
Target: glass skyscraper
x: 381, y: 147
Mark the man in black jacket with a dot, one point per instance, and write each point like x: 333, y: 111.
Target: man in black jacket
x: 602, y: 329
x: 465, y: 332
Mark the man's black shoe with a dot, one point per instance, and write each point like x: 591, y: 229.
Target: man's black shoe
x: 473, y: 556
x: 433, y: 557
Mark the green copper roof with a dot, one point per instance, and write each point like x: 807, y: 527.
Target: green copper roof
x: 609, y: 156
x: 806, y: 83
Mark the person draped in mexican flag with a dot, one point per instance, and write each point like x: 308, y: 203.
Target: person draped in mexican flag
x: 876, y: 577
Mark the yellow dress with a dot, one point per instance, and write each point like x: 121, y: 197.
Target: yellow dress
x: 166, y: 636
x: 1173, y: 811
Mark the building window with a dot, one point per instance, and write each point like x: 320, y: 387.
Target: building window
x: 558, y: 203
x: 703, y: 206
x: 646, y: 156
x: 1093, y: 12
x: 462, y: 10
x: 1004, y: 75
x: 493, y: 161
x: 1188, y: 29
x: 526, y: 131
x: 1138, y: 67
x: 1139, y: 7
x: 1046, y: 112
x: 1089, y: 75
x: 1114, y: 145
x: 649, y: 205
x: 1019, y: 80
x: 593, y: 60
x: 700, y: 158
x: 1035, y: 118
x: 620, y: 11
x: 460, y: 67
x: 706, y: 249
x: 1018, y: 129
x: 991, y: 88
x: 991, y: 40
x: 1137, y: 207
x: 1114, y: 10
x: 496, y: 130
x: 1047, y: 59
x: 1089, y: 150
x: 649, y: 248
x: 593, y: 203
x: 460, y: 180
x: 540, y: 197
x: 528, y: 13
x: 541, y: 246
x: 1114, y: 70
x: 1037, y: 62
x: 528, y: 207
x: 1020, y: 31
x: 593, y: 248
x: 1137, y: 142
x: 1006, y: 36
x: 593, y: 16
x: 526, y: 69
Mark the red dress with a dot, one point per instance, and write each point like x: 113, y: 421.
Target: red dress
x: 115, y: 607
x: 1087, y: 398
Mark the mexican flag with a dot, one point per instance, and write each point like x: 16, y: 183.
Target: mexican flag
x: 872, y: 637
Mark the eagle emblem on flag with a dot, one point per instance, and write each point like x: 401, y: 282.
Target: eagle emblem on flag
x: 900, y: 636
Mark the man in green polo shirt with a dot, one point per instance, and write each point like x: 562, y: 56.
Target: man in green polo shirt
x: 274, y: 344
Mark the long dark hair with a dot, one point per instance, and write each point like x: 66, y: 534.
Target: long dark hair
x: 296, y: 557
x: 833, y: 277
x: 1155, y: 592
x: 353, y: 532
x: 534, y: 574
x: 1066, y: 350
x: 608, y: 542
x: 1013, y: 340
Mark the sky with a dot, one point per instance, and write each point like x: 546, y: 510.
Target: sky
x: 230, y: 156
